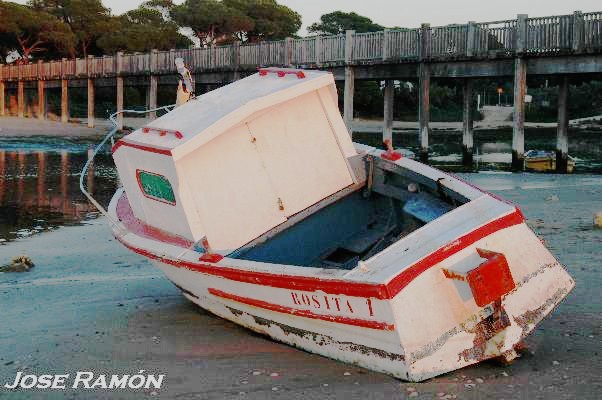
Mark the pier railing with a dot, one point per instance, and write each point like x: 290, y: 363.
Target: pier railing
x: 573, y: 33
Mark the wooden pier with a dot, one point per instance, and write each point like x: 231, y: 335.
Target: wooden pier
x: 564, y: 45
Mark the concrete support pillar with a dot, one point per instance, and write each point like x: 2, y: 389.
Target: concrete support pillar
x: 90, y: 103
x: 119, y: 101
x: 467, y: 126
x: 64, y: 100
x: 152, y: 96
x: 424, y: 109
x: 20, y: 99
x: 41, y: 99
x: 518, y: 133
x: 388, y: 110
x: 562, y: 140
x: 2, y: 97
x: 348, y: 97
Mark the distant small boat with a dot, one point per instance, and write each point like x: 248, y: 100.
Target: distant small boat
x: 254, y: 201
x: 545, y: 161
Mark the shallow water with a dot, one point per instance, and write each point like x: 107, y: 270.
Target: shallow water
x: 39, y: 185
x: 560, y: 210
x: 493, y: 147
x: 39, y: 182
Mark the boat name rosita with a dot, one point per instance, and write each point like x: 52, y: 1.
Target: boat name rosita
x: 329, y: 302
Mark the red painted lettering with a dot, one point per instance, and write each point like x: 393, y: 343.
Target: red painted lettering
x: 336, y: 301
x: 305, y: 299
x: 349, y: 307
x: 315, y: 300
x: 327, y: 303
x: 369, y: 302
x: 295, y: 297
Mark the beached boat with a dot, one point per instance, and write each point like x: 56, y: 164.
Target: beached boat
x: 256, y: 204
x: 545, y: 161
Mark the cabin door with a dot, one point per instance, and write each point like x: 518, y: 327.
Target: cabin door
x: 300, y: 153
x: 231, y: 191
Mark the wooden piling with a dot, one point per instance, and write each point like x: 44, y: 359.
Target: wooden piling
x: 467, y: 131
x: 562, y: 143
x: 119, y: 101
x: 2, y: 97
x: 424, y: 112
x: 348, y: 98
x: 518, y: 133
x: 64, y: 100
x: 90, y: 103
x: 119, y: 87
x: 349, y: 82
x: 152, y: 96
x: 41, y: 99
x: 388, y: 110
x: 20, y: 99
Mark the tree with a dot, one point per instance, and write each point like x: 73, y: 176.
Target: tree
x: 88, y: 19
x: 212, y: 21
x: 271, y: 21
x: 338, y: 22
x: 31, y: 32
x: 143, y: 29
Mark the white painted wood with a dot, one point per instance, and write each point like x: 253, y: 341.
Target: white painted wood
x: 435, y: 326
x: 164, y: 216
x: 231, y: 191
x: 249, y: 160
x: 300, y: 153
x: 252, y: 153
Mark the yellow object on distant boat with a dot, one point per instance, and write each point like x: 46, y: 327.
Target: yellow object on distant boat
x: 545, y: 161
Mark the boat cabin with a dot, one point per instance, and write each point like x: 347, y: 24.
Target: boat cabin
x: 264, y: 169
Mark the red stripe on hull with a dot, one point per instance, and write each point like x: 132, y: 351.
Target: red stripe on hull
x: 304, y: 283
x: 383, y: 326
x: 156, y: 150
x: 337, y: 286
x: 396, y: 284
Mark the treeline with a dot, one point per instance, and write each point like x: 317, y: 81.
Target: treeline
x: 51, y: 29
x: 585, y: 100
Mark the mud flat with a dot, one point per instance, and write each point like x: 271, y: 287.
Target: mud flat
x: 25, y: 127
x: 91, y: 305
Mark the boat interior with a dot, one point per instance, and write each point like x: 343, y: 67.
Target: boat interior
x: 358, y: 223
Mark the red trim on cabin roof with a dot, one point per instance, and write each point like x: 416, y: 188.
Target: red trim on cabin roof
x: 122, y: 142
x: 281, y: 72
x: 163, y: 132
x: 336, y: 286
x: 383, y: 326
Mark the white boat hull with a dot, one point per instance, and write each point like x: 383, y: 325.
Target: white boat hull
x: 411, y: 336
x: 255, y: 202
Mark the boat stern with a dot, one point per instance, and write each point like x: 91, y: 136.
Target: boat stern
x: 484, y: 301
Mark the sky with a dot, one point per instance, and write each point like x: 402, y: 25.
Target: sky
x: 410, y: 14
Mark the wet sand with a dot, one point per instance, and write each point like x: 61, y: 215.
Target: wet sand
x: 91, y: 305
x: 27, y: 127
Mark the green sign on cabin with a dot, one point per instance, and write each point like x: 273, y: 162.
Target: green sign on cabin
x: 156, y: 187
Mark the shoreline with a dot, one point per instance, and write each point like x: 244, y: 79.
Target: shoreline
x: 30, y: 127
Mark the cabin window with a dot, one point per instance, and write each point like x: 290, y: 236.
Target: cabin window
x: 156, y: 187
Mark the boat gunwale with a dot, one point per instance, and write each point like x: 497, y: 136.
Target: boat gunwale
x: 331, y: 283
